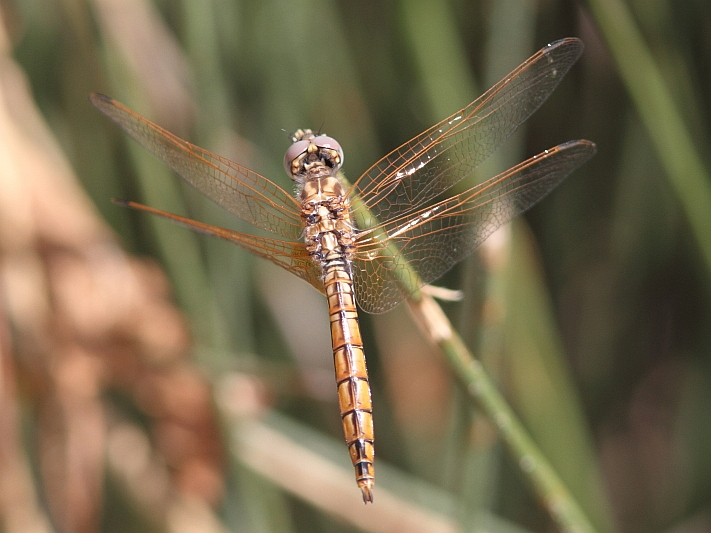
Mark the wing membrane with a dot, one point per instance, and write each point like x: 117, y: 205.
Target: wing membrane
x: 290, y: 255
x: 433, y: 239
x: 245, y: 193
x: 429, y: 164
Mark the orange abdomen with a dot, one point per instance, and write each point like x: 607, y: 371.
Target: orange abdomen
x: 351, y: 376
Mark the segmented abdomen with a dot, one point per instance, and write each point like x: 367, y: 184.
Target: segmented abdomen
x: 351, y: 374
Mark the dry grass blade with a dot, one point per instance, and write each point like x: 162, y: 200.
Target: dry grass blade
x: 19, y: 506
x: 85, y: 320
x: 296, y: 469
x: 151, y: 51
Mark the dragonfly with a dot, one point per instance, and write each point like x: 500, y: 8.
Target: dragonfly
x: 374, y: 243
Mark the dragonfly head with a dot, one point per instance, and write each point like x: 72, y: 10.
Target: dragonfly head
x: 312, y: 155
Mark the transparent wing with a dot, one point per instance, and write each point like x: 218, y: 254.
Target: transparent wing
x: 424, y: 167
x: 245, y: 193
x: 290, y: 255
x: 398, y: 257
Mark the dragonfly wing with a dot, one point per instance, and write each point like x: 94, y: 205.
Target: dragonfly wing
x: 245, y: 193
x: 429, y: 164
x: 400, y: 256
x: 291, y: 256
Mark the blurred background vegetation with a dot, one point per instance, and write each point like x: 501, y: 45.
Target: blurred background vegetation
x: 122, y: 413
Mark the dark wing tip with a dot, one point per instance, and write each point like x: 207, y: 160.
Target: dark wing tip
x: 571, y: 46
x: 121, y: 202
x: 98, y: 99
x: 567, y: 41
x: 581, y: 144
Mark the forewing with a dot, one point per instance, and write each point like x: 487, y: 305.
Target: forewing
x: 402, y: 255
x: 290, y: 255
x: 424, y: 167
x: 245, y: 193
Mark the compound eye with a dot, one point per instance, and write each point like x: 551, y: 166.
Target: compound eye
x: 324, y: 141
x: 294, y: 151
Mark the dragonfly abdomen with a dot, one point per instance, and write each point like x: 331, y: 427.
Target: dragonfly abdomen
x: 351, y: 374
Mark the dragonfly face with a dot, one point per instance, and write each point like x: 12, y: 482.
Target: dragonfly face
x: 308, y: 148
x: 387, y: 235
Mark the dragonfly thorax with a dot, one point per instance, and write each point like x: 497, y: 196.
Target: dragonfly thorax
x: 326, y: 213
x: 319, y: 213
